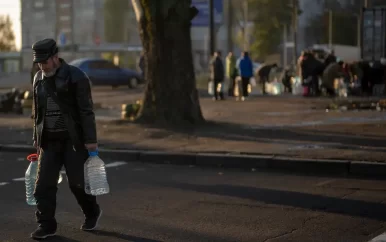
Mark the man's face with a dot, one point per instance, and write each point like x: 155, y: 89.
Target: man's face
x: 49, y: 66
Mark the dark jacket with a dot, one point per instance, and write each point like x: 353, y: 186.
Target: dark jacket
x: 217, y: 69
x: 35, y: 68
x: 74, y: 92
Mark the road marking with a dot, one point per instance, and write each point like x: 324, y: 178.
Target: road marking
x: 108, y: 165
x: 380, y: 238
x: 115, y: 164
x: 323, y: 183
x: 19, y: 179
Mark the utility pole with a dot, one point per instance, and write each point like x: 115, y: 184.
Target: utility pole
x: 295, y: 30
x: 330, y: 27
x: 285, y: 45
x: 211, y: 28
x: 230, y: 26
x: 245, y: 24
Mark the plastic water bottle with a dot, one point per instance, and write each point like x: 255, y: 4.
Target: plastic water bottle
x: 30, y: 178
x: 95, y: 177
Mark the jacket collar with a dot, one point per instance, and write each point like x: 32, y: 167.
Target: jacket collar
x: 63, y: 71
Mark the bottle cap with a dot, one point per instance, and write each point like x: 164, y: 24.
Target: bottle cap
x: 33, y: 157
x: 93, y: 153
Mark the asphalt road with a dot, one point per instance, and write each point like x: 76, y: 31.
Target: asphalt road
x: 151, y: 203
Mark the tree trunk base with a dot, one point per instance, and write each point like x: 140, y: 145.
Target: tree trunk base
x: 171, y: 97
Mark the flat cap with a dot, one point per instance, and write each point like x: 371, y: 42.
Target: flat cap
x: 44, y: 49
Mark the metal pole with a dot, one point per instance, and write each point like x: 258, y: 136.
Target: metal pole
x: 330, y: 28
x: 285, y: 45
x: 295, y: 30
x: 359, y: 24
x: 246, y: 34
x: 211, y: 28
x: 230, y: 26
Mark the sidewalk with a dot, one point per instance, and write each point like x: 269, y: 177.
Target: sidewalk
x: 275, y: 126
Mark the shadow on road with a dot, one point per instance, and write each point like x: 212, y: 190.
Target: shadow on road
x: 122, y: 236
x: 59, y: 238
x: 280, y: 135
x: 341, y: 205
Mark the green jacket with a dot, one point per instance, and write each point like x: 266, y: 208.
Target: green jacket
x: 230, y: 68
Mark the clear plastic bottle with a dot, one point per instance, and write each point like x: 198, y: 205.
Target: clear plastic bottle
x: 30, y: 178
x: 95, y: 177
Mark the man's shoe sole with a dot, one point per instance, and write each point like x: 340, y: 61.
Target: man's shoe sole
x: 96, y: 224
x: 43, y: 237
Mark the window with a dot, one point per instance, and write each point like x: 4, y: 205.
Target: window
x: 102, y: 65
x: 65, y: 18
x: 39, y: 15
x: 64, y: 5
x: 109, y: 65
x: 39, y: 3
x: 95, y: 65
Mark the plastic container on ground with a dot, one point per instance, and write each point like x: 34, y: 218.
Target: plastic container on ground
x: 30, y: 178
x: 95, y: 177
x: 297, y: 87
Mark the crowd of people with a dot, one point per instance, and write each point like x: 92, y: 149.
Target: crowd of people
x: 319, y: 73
x: 358, y: 78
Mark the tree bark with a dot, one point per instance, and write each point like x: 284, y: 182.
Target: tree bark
x: 171, y: 95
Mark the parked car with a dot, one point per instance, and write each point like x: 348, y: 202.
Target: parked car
x: 104, y: 73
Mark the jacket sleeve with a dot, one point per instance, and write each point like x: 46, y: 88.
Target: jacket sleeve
x: 85, y: 108
x: 34, y: 105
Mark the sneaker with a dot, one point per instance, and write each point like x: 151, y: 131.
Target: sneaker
x: 91, y: 223
x: 41, y: 233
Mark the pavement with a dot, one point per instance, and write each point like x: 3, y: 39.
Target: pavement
x: 283, y: 133
x: 153, y: 202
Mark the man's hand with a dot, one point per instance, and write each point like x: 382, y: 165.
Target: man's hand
x: 91, y: 147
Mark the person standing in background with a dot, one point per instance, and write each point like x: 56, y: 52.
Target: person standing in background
x: 217, y: 74
x: 245, y: 67
x: 231, y: 72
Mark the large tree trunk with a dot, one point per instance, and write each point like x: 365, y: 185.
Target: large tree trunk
x: 171, y: 95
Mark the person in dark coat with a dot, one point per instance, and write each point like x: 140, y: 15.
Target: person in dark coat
x: 64, y: 134
x: 264, y: 75
x: 217, y: 75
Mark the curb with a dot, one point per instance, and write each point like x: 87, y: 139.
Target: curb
x: 335, y: 167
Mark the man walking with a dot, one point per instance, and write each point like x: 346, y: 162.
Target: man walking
x: 64, y: 132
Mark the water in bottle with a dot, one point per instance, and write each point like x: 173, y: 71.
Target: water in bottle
x: 30, y: 178
x: 95, y: 177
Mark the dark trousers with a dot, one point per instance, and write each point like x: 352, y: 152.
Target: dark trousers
x: 54, y: 154
x: 244, y: 85
x: 231, y: 88
x: 264, y: 80
x: 218, y: 94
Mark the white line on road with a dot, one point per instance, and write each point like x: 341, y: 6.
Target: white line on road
x: 109, y: 165
x: 115, y: 164
x: 19, y: 179
x: 380, y: 238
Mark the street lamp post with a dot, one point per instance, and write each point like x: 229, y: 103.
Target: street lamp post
x: 211, y: 28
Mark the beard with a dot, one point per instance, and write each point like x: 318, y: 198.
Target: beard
x: 52, y: 72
